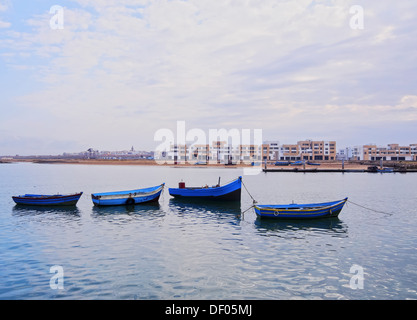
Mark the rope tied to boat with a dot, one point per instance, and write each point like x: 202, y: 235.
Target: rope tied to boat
x: 248, y: 209
x: 370, y: 209
x: 253, y: 200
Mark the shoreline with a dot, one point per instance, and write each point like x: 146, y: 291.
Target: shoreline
x: 141, y: 162
x: 334, y: 166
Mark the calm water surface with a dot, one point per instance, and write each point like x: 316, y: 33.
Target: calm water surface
x: 178, y: 250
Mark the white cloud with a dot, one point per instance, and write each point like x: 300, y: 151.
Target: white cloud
x: 386, y: 34
x: 120, y: 70
x: 4, y: 24
x: 4, y: 7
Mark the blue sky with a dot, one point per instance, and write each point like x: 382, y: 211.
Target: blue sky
x: 121, y: 70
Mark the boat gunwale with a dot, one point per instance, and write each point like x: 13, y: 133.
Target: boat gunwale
x: 306, y: 208
x: 133, y: 195
x: 47, y: 197
x: 126, y: 193
x: 208, y: 187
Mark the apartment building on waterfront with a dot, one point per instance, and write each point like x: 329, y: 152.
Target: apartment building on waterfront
x: 372, y: 152
x: 308, y: 150
x: 270, y: 150
x: 216, y: 152
x: 222, y: 152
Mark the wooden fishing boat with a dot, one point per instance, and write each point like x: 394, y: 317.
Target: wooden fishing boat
x: 48, y: 200
x: 129, y: 197
x: 301, y: 211
x: 282, y: 163
x: 312, y: 163
x: 227, y: 192
x: 385, y: 170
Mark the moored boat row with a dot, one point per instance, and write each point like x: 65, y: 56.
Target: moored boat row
x: 228, y: 192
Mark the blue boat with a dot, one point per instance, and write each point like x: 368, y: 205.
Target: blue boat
x: 282, y: 163
x: 313, y: 163
x: 227, y: 192
x: 129, y: 197
x: 297, y: 163
x: 385, y: 170
x: 48, y: 200
x: 301, y: 211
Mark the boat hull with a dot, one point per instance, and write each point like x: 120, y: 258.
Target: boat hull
x: 228, y: 192
x: 47, y: 200
x: 385, y: 170
x: 285, y: 163
x: 129, y: 197
x: 303, y: 212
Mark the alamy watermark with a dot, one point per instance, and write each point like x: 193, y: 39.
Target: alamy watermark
x: 57, y: 20
x: 217, y: 146
x: 357, y: 21
x: 357, y: 280
x: 57, y: 280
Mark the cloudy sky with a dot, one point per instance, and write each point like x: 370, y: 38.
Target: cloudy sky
x: 119, y: 70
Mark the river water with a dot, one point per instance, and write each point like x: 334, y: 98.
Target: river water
x: 177, y: 250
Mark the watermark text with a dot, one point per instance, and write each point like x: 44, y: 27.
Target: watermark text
x: 57, y: 20
x: 57, y: 280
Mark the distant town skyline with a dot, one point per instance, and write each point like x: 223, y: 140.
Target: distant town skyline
x: 108, y: 74
x: 301, y: 146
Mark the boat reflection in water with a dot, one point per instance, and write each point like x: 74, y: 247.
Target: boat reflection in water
x: 151, y: 208
x: 205, y: 209
x: 24, y: 210
x: 300, y: 228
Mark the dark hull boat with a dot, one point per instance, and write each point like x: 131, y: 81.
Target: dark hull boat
x: 48, y: 200
x: 301, y: 211
x: 129, y: 197
x: 282, y: 163
x: 385, y: 170
x: 228, y: 192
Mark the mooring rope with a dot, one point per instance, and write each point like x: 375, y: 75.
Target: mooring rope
x: 254, y: 201
x: 248, y: 209
x: 370, y: 209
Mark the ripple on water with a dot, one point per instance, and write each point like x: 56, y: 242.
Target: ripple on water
x: 179, y: 250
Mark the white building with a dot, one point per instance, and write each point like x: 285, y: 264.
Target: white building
x: 270, y: 150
